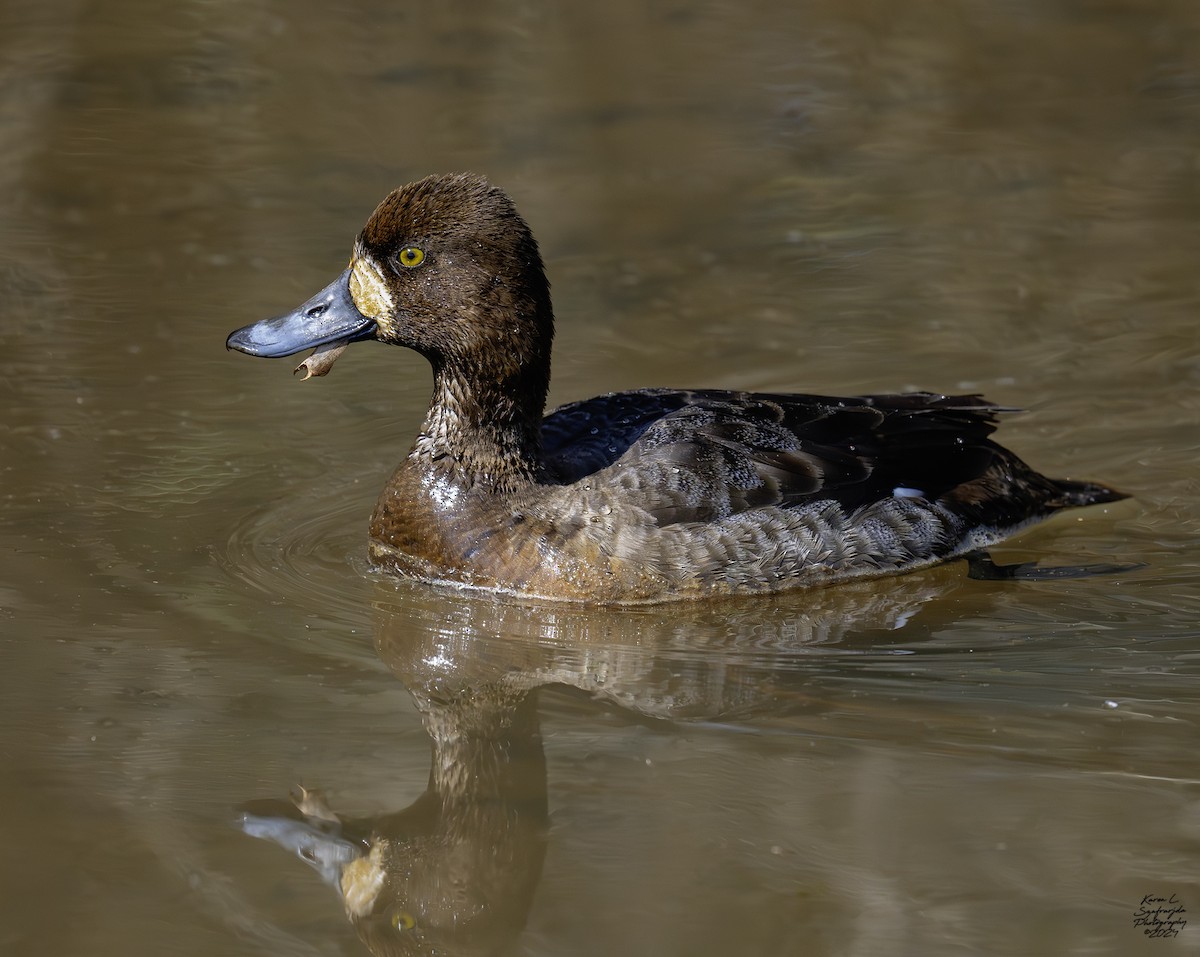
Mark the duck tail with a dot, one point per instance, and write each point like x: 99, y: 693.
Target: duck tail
x: 1073, y: 494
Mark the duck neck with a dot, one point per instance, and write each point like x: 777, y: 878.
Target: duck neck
x: 483, y: 427
x: 487, y: 752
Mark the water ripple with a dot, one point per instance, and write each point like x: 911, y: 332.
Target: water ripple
x: 307, y: 551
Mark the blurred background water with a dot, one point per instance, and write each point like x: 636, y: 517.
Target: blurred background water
x: 961, y: 195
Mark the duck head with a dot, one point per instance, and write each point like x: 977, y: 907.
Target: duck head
x: 445, y: 266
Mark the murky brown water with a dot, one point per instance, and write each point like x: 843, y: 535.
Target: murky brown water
x: 958, y: 195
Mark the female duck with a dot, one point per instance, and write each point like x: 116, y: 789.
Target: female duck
x: 644, y: 496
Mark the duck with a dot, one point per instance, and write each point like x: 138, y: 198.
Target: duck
x: 643, y: 496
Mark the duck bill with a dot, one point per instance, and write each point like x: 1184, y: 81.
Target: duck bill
x: 329, y: 316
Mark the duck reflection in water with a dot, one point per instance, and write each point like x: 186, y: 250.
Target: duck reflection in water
x: 456, y: 871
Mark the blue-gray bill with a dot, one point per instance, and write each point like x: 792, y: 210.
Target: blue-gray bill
x: 329, y: 316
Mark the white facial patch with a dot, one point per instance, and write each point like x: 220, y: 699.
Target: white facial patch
x: 362, y: 880
x: 370, y: 292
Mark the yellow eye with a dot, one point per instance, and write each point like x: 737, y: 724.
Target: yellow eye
x: 403, y: 920
x: 411, y: 256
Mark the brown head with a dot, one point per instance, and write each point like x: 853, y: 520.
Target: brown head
x: 445, y: 266
x: 448, y: 267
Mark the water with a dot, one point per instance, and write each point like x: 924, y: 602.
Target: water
x: 842, y: 197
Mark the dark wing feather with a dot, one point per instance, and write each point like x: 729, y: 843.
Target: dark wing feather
x: 695, y: 456
x: 584, y: 437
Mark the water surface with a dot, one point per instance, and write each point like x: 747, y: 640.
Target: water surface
x: 840, y: 197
